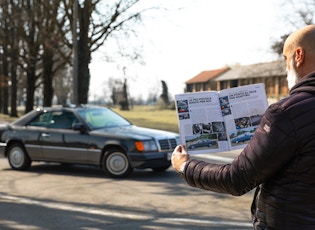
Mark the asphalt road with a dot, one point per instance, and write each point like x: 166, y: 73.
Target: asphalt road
x: 51, y: 196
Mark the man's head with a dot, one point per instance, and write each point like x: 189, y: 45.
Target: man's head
x: 299, y: 54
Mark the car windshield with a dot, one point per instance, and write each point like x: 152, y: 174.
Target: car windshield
x: 97, y: 118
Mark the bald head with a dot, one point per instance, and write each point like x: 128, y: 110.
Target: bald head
x: 300, y: 46
x: 304, y: 37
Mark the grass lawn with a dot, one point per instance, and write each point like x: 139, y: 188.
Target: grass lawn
x: 151, y: 117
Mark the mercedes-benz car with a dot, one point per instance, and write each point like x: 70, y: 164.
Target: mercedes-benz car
x: 86, y: 135
x: 242, y: 138
x: 202, y: 143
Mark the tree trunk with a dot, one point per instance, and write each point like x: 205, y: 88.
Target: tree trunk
x: 31, y: 79
x: 48, y: 90
x: 83, y: 76
x: 5, y: 38
x: 4, y: 86
x: 47, y: 77
x: 13, y: 71
x: 14, y: 89
x: 84, y: 53
x: 5, y: 94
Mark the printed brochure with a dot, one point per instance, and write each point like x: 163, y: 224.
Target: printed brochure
x: 216, y: 121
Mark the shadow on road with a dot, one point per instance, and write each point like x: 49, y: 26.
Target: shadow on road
x: 36, y: 214
x: 172, y: 182
x: 109, y: 210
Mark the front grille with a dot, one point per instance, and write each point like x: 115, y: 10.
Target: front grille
x: 167, y: 144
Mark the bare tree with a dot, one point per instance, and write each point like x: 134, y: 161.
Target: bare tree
x: 30, y: 47
x: 164, y: 95
x: 302, y: 15
x: 5, y: 57
x: 63, y: 86
x: 55, y: 55
x: 277, y: 46
x: 14, y: 54
x: 36, y: 45
x: 26, y: 31
x: 40, y: 50
x: 96, y: 27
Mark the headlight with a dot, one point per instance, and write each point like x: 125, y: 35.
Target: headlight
x: 147, y: 146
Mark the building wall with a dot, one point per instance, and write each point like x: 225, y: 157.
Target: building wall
x: 203, y: 86
x: 276, y: 86
x: 272, y: 74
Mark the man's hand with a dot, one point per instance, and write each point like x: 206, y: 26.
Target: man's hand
x: 179, y: 156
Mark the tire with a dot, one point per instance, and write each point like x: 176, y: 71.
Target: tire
x: 115, y: 163
x: 18, y: 157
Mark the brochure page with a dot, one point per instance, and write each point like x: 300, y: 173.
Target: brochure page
x: 201, y: 123
x: 242, y: 109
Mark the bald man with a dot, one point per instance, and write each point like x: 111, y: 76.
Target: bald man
x: 280, y: 159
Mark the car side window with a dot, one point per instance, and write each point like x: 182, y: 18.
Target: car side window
x: 64, y: 120
x: 55, y: 120
x: 43, y: 120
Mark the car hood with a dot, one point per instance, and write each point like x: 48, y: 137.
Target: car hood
x: 136, y: 132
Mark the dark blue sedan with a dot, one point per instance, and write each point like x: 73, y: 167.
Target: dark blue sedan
x: 87, y: 135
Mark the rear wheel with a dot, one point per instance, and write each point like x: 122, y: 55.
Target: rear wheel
x: 18, y: 157
x: 116, y: 164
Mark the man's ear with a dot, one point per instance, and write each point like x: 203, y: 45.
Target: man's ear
x: 299, y: 56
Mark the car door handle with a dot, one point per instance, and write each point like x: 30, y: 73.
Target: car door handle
x: 45, y: 135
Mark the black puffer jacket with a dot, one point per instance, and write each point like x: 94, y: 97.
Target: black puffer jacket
x: 280, y: 160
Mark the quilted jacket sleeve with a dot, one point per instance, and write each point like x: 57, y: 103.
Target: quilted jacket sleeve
x: 273, y: 145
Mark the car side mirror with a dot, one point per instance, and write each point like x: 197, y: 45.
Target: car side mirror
x: 80, y: 127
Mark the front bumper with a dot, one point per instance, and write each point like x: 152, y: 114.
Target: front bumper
x: 150, y: 160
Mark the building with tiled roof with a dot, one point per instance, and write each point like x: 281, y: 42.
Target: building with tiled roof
x: 204, y: 81
x: 272, y: 74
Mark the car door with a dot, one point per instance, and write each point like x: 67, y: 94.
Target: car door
x: 30, y: 137
x: 60, y: 143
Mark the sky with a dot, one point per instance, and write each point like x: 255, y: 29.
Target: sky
x: 203, y: 35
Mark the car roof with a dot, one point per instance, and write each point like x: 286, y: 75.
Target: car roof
x: 71, y: 107
x: 30, y: 115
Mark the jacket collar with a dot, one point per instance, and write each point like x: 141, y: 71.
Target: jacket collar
x: 306, y: 84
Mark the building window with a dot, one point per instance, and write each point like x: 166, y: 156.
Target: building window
x: 234, y: 83
x: 223, y: 85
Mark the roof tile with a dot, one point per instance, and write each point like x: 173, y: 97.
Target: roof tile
x: 205, y: 76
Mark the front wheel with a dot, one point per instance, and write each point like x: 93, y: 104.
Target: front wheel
x: 18, y: 157
x: 116, y: 164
